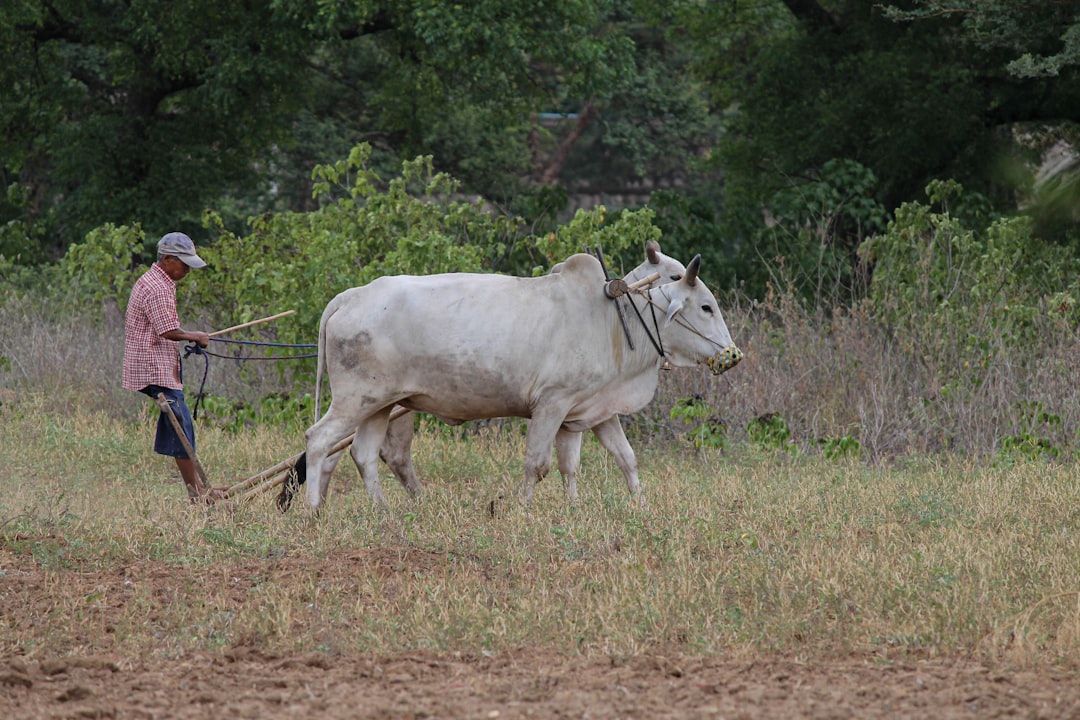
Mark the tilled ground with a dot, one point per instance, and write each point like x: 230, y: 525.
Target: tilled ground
x: 525, y: 683
x: 244, y: 681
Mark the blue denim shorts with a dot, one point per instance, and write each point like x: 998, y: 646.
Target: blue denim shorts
x: 167, y: 442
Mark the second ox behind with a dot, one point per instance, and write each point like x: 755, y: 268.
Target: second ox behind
x: 465, y: 346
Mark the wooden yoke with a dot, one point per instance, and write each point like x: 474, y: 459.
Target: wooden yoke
x: 618, y: 287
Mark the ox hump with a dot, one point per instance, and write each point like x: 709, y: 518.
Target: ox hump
x: 583, y: 266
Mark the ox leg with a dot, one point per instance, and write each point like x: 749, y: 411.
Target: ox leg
x: 538, y: 443
x: 320, y: 438
x: 396, y: 452
x: 611, y: 436
x: 568, y: 453
x: 365, y: 452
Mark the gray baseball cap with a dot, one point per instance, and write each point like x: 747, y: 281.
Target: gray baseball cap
x: 180, y: 246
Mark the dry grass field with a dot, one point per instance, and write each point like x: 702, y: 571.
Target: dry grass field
x: 754, y: 584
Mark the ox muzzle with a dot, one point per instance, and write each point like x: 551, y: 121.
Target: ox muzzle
x: 724, y: 360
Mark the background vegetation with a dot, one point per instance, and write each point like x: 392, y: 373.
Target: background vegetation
x: 756, y: 128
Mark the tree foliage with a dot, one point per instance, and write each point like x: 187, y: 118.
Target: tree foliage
x: 151, y: 111
x: 962, y: 290
x: 804, y: 85
x: 144, y: 111
x: 758, y: 129
x: 1041, y: 38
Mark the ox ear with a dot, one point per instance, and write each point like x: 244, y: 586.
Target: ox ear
x: 652, y: 252
x: 692, y: 270
x: 673, y: 309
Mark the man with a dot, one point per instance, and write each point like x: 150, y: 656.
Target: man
x: 152, y: 353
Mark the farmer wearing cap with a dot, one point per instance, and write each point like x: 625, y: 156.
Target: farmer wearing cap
x: 152, y: 353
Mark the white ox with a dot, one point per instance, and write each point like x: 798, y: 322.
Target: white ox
x: 396, y: 451
x: 472, y: 346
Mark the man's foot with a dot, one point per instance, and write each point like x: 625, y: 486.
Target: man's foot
x: 210, y: 496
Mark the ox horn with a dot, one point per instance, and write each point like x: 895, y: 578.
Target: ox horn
x: 652, y: 251
x: 692, y: 270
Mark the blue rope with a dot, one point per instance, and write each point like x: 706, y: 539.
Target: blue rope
x: 194, y: 349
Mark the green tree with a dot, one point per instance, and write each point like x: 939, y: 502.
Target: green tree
x: 805, y: 84
x: 150, y: 112
x: 1037, y: 42
x: 1039, y: 38
x: 131, y: 112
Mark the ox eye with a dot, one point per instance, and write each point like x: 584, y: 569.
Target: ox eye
x: 676, y: 277
x: 707, y: 308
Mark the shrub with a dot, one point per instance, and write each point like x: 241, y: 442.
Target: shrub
x: 974, y: 309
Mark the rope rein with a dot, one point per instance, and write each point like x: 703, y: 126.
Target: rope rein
x: 194, y: 349
x: 657, y: 342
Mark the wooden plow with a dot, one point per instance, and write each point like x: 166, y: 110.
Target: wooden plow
x: 277, y: 474
x: 269, y: 478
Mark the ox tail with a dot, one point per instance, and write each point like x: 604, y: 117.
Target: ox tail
x: 320, y: 362
x: 298, y: 473
x: 297, y: 476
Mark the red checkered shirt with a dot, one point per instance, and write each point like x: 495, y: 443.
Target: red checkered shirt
x: 150, y: 359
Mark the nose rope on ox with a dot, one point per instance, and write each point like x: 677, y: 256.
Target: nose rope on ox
x: 727, y: 358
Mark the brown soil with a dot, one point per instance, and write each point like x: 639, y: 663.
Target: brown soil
x: 529, y: 682
x: 518, y: 685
